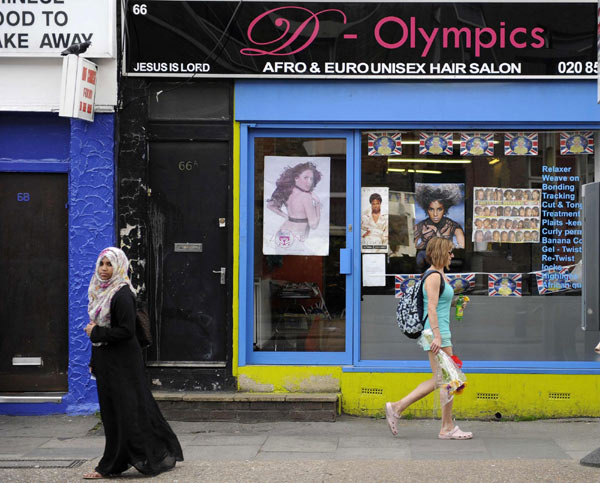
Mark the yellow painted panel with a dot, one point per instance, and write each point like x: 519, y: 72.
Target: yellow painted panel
x: 290, y: 379
x: 236, y: 245
x: 488, y: 396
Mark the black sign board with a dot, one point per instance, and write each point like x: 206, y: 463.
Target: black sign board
x: 360, y: 40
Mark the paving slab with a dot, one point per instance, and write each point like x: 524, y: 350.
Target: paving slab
x: 531, y: 448
x: 464, y: 455
x: 351, y: 449
x: 47, y: 426
x: 92, y: 443
x: 371, y: 453
x: 220, y: 453
x: 293, y: 456
x: 300, y: 444
x: 371, y: 442
x: 15, y: 446
x: 228, y: 440
x: 65, y: 453
x: 581, y: 442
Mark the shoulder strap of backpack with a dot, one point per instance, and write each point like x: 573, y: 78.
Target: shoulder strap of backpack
x: 425, y: 275
x: 429, y: 272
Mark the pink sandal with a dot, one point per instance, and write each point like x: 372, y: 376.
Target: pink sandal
x: 392, y: 418
x: 456, y: 433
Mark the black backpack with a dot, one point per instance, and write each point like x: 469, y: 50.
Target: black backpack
x: 409, y: 312
x: 143, y: 330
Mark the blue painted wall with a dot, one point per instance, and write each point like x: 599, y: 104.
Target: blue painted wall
x: 39, y: 136
x: 547, y: 104
x: 42, y: 141
x: 354, y: 104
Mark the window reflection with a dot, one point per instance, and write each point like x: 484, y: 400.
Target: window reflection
x: 505, y: 214
x: 300, y: 207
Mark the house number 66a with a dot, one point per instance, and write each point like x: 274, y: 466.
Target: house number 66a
x: 23, y: 197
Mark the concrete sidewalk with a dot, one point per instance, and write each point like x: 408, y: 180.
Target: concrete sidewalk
x: 351, y: 449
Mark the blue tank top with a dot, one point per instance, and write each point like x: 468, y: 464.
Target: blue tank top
x: 443, y: 309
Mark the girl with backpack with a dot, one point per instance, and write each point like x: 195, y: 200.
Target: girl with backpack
x: 437, y: 299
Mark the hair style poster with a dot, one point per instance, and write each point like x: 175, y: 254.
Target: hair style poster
x: 374, y: 220
x: 506, y: 215
x: 296, y: 205
x: 402, y: 224
x: 439, y: 212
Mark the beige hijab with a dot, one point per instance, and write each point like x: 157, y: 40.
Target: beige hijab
x: 101, y: 292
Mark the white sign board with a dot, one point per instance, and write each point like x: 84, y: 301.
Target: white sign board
x: 46, y: 28
x: 78, y: 89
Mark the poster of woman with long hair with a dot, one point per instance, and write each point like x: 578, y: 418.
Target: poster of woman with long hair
x: 296, y: 206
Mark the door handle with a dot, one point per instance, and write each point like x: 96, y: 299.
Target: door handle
x: 346, y: 261
x: 222, y: 272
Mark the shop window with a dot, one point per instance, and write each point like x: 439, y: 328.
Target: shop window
x: 511, y: 203
x: 299, y: 229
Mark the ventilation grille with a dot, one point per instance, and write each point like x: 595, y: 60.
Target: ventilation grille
x: 371, y: 390
x: 488, y: 395
x: 559, y: 395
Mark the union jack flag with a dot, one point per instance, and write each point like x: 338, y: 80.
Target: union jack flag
x: 504, y: 285
x: 521, y: 143
x: 384, y: 143
x: 577, y: 142
x: 477, y: 144
x: 402, y: 282
x: 461, y: 282
x: 435, y: 143
x: 552, y: 281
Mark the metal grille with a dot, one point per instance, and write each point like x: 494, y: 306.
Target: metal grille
x: 559, y: 395
x: 488, y: 395
x: 371, y: 390
x: 24, y: 463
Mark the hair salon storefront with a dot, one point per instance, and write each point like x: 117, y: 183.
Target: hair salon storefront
x: 490, y: 110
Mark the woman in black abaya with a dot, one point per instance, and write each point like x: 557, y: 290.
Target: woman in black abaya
x: 136, y: 432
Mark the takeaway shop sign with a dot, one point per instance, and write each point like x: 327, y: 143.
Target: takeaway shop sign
x: 361, y: 40
x: 44, y: 28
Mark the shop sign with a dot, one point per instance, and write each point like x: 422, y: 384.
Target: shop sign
x: 462, y: 40
x: 78, y: 90
x: 44, y: 28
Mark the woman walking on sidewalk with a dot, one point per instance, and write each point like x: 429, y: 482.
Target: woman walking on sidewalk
x: 437, y: 299
x: 136, y: 432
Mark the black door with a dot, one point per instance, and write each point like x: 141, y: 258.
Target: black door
x: 188, y: 239
x: 33, y: 292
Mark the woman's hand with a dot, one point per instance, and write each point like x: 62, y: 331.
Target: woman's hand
x: 436, y: 344
x: 315, y: 199
x: 88, y: 328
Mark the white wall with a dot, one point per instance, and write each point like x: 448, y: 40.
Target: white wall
x: 33, y: 84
